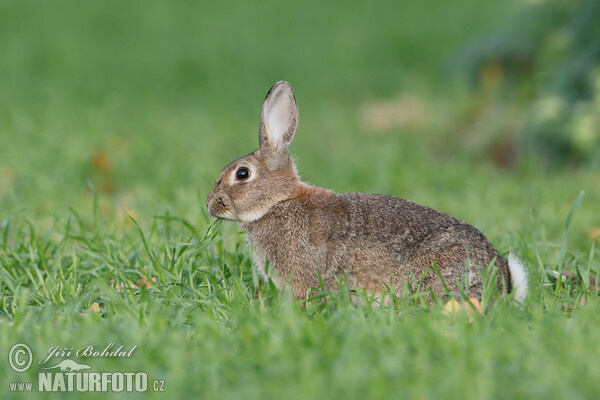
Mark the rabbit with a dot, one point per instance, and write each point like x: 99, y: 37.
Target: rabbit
x: 312, y: 236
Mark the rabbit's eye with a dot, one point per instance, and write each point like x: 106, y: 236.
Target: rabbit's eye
x: 242, y: 174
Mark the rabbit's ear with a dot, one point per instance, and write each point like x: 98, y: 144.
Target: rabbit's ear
x: 278, y: 120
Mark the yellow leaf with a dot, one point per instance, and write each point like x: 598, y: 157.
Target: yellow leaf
x: 470, y: 307
x: 474, y: 304
x: 452, y: 306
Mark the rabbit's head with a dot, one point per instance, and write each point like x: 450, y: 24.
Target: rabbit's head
x: 248, y: 187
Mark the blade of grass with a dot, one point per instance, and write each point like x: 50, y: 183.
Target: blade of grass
x: 563, y: 243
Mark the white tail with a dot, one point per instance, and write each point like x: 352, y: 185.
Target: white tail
x: 518, y: 277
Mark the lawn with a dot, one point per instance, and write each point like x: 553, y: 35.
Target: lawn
x: 117, y: 117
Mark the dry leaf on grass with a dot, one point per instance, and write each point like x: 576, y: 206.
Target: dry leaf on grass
x: 145, y: 283
x: 473, y: 305
x: 94, y: 307
x: 452, y: 306
x: 142, y: 283
x: 100, y: 161
x: 470, y: 307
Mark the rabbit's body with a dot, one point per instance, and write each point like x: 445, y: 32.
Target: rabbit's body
x: 368, y: 240
x: 311, y: 235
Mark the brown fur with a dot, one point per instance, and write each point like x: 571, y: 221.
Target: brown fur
x: 369, y: 240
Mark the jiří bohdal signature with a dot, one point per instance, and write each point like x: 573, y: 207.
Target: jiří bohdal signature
x: 92, y: 350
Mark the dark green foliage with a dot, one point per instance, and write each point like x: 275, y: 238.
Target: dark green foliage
x: 549, y: 61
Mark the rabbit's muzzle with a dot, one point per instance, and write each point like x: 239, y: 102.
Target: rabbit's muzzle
x: 219, y: 205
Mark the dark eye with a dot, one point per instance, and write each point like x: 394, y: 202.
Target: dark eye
x: 242, y: 173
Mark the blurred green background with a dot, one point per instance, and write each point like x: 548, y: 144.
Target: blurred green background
x: 146, y: 101
x: 486, y: 110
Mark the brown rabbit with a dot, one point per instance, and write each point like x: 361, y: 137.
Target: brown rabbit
x: 309, y: 233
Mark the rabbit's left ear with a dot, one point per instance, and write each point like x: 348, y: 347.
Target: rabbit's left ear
x: 278, y: 120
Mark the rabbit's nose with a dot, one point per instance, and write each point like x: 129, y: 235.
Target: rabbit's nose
x: 216, y: 206
x: 210, y: 204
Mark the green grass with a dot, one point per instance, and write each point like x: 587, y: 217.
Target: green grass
x: 114, y: 110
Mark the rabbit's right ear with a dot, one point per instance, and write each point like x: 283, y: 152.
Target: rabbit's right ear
x: 278, y: 124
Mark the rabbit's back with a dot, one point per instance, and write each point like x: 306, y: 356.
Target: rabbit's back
x: 411, y: 229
